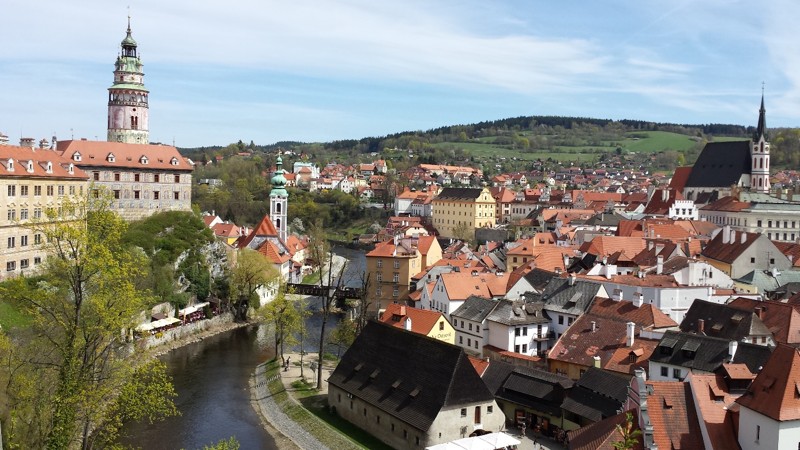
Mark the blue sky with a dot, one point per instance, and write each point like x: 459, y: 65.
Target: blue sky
x: 318, y: 70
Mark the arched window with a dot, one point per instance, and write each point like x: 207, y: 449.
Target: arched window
x: 278, y: 207
x: 278, y: 223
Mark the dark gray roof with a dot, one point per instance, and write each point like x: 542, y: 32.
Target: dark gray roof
x: 514, y: 313
x: 459, y: 193
x: 538, y: 278
x: 605, y: 220
x: 723, y: 321
x: 561, y: 296
x: 538, y: 389
x: 598, y: 394
x: 475, y: 308
x: 720, y: 164
x: 706, y: 353
x: 407, y: 375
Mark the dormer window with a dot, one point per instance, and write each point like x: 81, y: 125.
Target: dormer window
x: 10, y: 165
x: 71, y: 169
x: 174, y: 161
x: 111, y: 158
x: 49, y: 168
x: 29, y: 166
x: 143, y: 159
x: 76, y: 156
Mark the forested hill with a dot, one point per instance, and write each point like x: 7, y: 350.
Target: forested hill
x: 526, y: 137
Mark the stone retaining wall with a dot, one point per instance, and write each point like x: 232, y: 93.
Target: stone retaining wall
x: 184, y: 332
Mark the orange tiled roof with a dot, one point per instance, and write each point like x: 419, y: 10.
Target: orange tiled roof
x: 422, y: 320
x: 673, y: 416
x: 273, y: 253
x: 775, y: 392
x: 645, y: 315
x: 460, y: 285
x: 226, y: 230
x: 781, y: 319
x: 95, y: 154
x: 608, y: 245
x: 714, y: 400
x: 264, y: 228
x: 479, y: 364
x: 20, y: 156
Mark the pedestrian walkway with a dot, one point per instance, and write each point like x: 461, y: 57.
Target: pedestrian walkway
x: 275, y: 416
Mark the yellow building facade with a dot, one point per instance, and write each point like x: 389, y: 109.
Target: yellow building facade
x: 34, y: 184
x: 457, y: 212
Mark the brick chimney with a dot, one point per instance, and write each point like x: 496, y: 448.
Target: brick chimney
x: 701, y: 326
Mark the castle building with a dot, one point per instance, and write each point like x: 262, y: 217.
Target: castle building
x: 721, y: 165
x: 34, y: 185
x: 139, y: 178
x: 127, y: 97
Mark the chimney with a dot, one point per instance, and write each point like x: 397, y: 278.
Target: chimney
x: 744, y: 237
x: 659, y: 264
x: 594, y: 326
x: 27, y: 142
x: 638, y: 299
x: 407, y: 324
x: 664, y: 195
x: 759, y: 312
x: 402, y: 310
x: 572, y: 279
x: 732, y: 346
x: 726, y: 234
x: 566, y: 261
x: 597, y: 361
x: 631, y: 332
x: 701, y: 326
x: 733, y: 236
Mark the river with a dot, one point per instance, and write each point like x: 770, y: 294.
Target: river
x: 211, y: 378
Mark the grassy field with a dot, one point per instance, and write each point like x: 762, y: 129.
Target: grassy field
x: 10, y: 317
x: 639, y: 142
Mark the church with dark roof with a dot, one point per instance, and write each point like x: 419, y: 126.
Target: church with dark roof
x: 723, y: 165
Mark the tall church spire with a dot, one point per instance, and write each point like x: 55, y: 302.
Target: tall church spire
x: 759, y: 153
x: 128, y: 109
x: 761, y: 130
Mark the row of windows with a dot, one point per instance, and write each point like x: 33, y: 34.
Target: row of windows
x: 395, y: 277
x: 24, y: 190
x: 395, y: 291
x: 11, y: 242
x: 396, y: 263
x: 135, y: 177
x: 469, y: 342
x: 676, y: 373
x: 561, y: 320
x: 23, y: 264
x: 176, y: 195
x: 377, y: 418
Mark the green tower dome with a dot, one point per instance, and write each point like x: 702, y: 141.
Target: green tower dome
x: 278, y: 180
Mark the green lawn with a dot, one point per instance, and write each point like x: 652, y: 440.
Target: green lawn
x: 657, y: 141
x: 11, y: 317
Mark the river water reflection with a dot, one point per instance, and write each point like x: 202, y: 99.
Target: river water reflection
x: 211, y: 378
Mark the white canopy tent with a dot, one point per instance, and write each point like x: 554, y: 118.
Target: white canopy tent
x: 491, y: 441
x: 145, y: 327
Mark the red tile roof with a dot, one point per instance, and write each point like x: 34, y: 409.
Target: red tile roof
x: 730, y: 251
x: 679, y: 178
x: 479, y: 364
x: 781, y: 319
x: 604, y: 434
x: 95, y: 154
x: 608, y: 245
x: 422, y: 320
x: 39, y: 158
x: 273, y: 253
x: 775, y: 392
x: 646, y: 315
x: 265, y: 228
x: 673, y: 415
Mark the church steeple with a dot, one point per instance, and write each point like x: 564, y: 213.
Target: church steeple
x: 759, y: 153
x: 761, y: 129
x: 278, y: 200
x: 128, y: 110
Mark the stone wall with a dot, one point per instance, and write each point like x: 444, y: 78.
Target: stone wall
x: 184, y: 331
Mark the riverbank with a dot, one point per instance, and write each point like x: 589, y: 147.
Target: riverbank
x: 222, y: 326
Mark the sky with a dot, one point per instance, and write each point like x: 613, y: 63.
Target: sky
x: 321, y: 70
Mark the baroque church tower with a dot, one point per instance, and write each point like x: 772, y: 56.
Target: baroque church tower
x: 278, y: 200
x: 759, y: 154
x: 127, y: 97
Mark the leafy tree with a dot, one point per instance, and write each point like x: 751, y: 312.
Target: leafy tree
x: 66, y: 380
x: 251, y: 272
x: 630, y: 436
x: 343, y: 335
x: 286, y: 316
x: 225, y: 444
x: 464, y: 232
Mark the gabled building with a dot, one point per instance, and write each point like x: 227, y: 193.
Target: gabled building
x: 739, y: 253
x: 518, y: 328
x: 427, y: 323
x: 597, y: 395
x: 392, y: 264
x: 452, y: 289
x: 565, y: 299
x: 410, y: 391
x: 769, y: 411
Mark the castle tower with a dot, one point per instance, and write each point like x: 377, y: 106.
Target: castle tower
x: 278, y: 200
x: 127, y: 97
x: 759, y: 154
